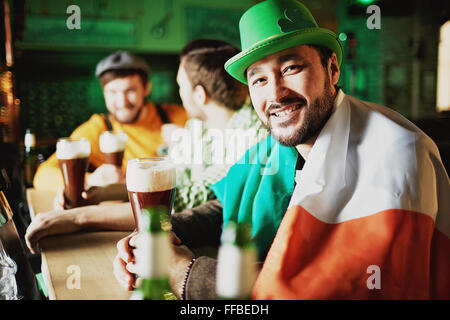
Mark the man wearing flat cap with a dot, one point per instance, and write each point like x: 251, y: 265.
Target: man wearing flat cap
x: 124, y: 79
x: 347, y: 199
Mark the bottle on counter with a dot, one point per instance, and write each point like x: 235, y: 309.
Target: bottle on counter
x: 8, y: 269
x: 236, y: 263
x: 152, y: 256
x: 31, y: 158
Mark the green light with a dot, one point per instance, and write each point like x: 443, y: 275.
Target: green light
x: 342, y: 36
x: 365, y: 1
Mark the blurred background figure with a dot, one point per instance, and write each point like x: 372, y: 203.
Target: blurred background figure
x: 222, y: 125
x: 124, y: 79
x: 220, y: 117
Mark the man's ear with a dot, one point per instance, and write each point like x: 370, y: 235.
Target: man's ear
x: 148, y: 88
x: 200, y: 96
x: 333, y: 69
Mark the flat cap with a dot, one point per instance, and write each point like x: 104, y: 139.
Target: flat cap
x: 121, y: 60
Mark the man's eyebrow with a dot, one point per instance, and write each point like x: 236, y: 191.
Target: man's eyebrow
x: 253, y: 72
x: 281, y: 59
x: 288, y: 57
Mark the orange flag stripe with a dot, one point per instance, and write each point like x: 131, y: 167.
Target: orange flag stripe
x: 310, y: 259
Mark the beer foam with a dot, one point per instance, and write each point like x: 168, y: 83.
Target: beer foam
x: 112, y: 142
x: 72, y: 149
x: 150, y: 177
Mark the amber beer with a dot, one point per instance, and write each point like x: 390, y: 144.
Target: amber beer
x: 112, y: 145
x: 73, y: 159
x: 150, y: 183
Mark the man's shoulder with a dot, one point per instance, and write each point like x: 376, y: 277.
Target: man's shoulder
x: 94, y: 124
x: 383, y: 137
x: 176, y: 113
x: 384, y: 124
x: 171, y: 107
x: 96, y: 119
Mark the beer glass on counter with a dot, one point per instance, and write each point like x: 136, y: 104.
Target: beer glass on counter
x: 112, y: 145
x: 150, y: 183
x: 73, y: 159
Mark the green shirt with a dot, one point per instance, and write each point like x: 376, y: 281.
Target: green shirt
x: 204, y: 156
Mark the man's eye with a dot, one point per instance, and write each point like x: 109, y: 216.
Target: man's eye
x: 292, y: 68
x: 258, y: 81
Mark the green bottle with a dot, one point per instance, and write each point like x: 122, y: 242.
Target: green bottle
x: 152, y: 256
x: 31, y: 160
x: 236, y: 263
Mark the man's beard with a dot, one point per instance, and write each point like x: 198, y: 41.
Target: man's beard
x: 315, y: 116
x: 134, y: 119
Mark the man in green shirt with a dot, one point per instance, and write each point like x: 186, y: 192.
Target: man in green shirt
x: 222, y: 125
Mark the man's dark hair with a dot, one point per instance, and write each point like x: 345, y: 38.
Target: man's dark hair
x: 113, y: 74
x: 203, y: 61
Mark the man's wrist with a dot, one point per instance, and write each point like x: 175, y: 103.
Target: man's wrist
x: 81, y: 216
x: 178, y: 274
x: 186, y: 276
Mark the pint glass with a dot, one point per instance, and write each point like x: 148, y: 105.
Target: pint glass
x: 112, y: 145
x: 73, y: 159
x: 150, y: 183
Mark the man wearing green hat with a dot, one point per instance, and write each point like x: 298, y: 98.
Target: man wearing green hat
x: 347, y: 199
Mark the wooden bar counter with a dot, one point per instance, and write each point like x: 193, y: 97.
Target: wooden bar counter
x: 77, y: 266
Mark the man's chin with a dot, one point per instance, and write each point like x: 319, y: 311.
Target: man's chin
x: 126, y: 118
x: 286, y: 137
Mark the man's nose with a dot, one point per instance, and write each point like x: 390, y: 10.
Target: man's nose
x: 121, y: 100
x: 277, y: 90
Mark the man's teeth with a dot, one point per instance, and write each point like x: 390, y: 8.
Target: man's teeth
x: 287, y: 111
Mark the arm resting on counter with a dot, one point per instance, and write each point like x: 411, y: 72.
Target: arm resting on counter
x: 107, y: 216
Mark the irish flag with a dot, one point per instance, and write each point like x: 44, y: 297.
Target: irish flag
x: 369, y: 217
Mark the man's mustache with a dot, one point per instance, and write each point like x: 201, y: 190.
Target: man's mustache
x: 283, y: 103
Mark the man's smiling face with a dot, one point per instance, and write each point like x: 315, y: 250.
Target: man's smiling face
x: 292, y: 93
x: 124, y: 97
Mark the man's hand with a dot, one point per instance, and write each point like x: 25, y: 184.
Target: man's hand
x: 105, y: 175
x: 124, y: 257
x: 94, y: 195
x: 48, y: 223
x: 125, y: 268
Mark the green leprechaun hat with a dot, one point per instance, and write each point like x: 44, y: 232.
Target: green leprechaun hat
x: 275, y: 25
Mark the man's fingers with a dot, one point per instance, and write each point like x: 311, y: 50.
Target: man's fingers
x: 125, y: 279
x: 31, y: 244
x: 59, y: 201
x: 133, y: 240
x: 132, y: 268
x: 32, y: 236
x: 124, y: 251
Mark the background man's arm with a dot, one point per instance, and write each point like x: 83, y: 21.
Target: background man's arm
x: 107, y: 216
x: 49, y: 177
x: 200, y: 227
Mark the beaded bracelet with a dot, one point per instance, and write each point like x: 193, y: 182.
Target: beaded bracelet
x: 186, y: 275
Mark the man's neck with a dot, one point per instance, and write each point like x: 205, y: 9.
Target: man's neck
x: 306, y: 147
x: 217, y: 116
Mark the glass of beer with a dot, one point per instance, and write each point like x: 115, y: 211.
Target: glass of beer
x: 112, y: 145
x: 150, y: 183
x: 73, y: 159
